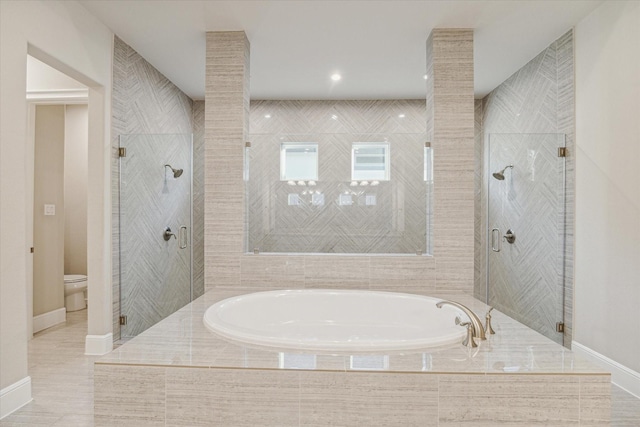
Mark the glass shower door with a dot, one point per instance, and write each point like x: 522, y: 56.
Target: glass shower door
x: 526, y: 236
x: 155, y: 229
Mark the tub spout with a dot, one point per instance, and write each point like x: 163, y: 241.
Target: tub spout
x: 478, y: 329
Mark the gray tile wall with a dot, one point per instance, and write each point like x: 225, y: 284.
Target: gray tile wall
x: 155, y: 273
x: 226, y: 130
x: 143, y: 102
x: 198, y: 198
x: 394, y: 224
x: 539, y: 98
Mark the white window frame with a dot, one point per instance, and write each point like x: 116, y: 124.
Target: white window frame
x: 386, y: 173
x: 283, y: 161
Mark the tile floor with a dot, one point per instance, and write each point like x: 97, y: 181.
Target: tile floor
x: 62, y: 381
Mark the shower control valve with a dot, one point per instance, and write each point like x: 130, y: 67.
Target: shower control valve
x: 167, y: 234
x: 510, y: 236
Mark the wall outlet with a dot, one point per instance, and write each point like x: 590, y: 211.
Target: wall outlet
x: 49, y: 209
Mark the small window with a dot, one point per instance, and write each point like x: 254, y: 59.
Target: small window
x: 370, y: 161
x: 299, y: 161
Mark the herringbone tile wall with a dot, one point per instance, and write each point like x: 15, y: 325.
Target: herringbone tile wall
x: 143, y: 102
x: 539, y: 98
x: 386, y: 218
x: 155, y: 274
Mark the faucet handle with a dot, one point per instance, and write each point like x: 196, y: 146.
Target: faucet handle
x: 469, y: 341
x: 487, y: 328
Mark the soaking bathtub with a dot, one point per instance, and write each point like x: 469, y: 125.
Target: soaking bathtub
x: 179, y: 372
x: 335, y: 320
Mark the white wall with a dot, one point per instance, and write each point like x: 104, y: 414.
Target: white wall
x: 607, y: 268
x: 66, y: 36
x: 43, y: 78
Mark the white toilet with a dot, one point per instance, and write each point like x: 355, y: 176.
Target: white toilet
x: 75, y: 286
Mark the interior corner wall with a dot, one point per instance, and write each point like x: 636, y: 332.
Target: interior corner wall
x: 137, y: 89
x: 66, y: 32
x: 607, y: 267
x: 538, y: 98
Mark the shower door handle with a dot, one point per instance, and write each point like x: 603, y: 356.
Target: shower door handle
x: 183, y: 237
x: 495, y: 232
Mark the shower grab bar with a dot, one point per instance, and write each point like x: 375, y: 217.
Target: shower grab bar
x: 183, y: 237
x: 493, y: 240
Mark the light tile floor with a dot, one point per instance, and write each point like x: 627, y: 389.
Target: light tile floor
x: 62, y: 382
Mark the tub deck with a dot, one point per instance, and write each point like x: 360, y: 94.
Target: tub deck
x: 179, y: 373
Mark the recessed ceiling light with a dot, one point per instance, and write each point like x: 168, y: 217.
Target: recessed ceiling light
x: 335, y: 77
x: 267, y: 116
x: 401, y: 116
x: 334, y: 117
x: 425, y: 77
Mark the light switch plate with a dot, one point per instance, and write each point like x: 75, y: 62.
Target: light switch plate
x: 49, y: 209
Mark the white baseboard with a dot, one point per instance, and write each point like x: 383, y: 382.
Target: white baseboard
x: 15, y: 396
x: 623, y: 377
x: 97, y: 345
x: 47, y: 320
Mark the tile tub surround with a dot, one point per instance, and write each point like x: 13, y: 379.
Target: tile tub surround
x: 179, y: 373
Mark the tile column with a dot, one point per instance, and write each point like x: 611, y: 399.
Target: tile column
x: 226, y: 128
x: 450, y: 128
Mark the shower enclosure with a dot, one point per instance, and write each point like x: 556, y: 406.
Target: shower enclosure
x: 155, y: 228
x: 526, y: 229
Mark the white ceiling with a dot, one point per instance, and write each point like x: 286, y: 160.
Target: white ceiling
x: 377, y: 46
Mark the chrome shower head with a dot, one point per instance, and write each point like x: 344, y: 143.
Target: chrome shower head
x: 500, y: 175
x: 176, y: 172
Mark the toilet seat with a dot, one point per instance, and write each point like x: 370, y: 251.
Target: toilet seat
x: 74, y: 278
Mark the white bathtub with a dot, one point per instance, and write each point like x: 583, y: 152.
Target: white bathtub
x: 335, y: 320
